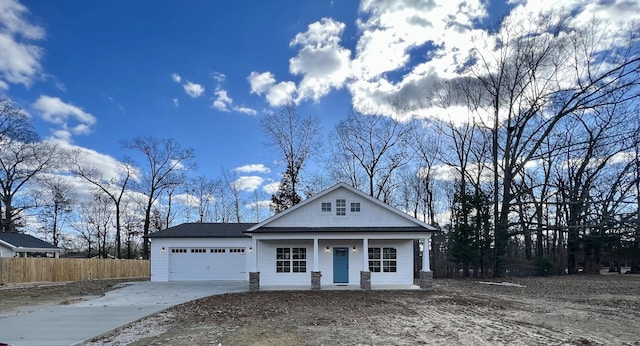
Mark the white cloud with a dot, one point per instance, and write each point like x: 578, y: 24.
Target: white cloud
x: 19, y: 59
x: 176, y: 77
x: 260, y: 82
x: 322, y: 62
x: 106, y: 166
x: 256, y: 167
x: 277, y: 94
x: 219, y: 77
x: 271, y: 188
x: 56, y: 111
x: 176, y: 102
x: 193, y: 89
x: 248, y: 183
x: 245, y: 110
x: 221, y: 100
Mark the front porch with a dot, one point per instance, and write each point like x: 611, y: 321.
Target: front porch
x: 340, y: 287
x: 336, y: 262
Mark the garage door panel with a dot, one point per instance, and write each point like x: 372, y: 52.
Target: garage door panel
x: 187, y: 264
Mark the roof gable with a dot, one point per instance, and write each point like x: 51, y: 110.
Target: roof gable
x: 19, y: 240
x: 204, y: 230
x: 310, y: 214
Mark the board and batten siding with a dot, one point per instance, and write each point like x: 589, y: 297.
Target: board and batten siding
x: 370, y: 214
x: 160, y: 259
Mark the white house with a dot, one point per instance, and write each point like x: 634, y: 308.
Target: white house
x: 340, y: 236
x: 25, y: 245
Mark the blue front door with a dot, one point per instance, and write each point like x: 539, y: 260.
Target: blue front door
x: 340, y: 265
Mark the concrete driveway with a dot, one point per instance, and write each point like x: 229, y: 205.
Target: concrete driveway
x: 82, y: 321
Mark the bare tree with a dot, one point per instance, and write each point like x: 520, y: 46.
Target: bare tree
x: 56, y: 204
x: 377, y: 143
x: 95, y: 217
x: 204, y: 190
x: 22, y: 157
x: 231, y: 184
x: 113, y: 187
x: 538, y: 73
x: 296, y: 138
x: 163, y: 159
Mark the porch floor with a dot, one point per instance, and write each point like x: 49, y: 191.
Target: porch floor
x: 339, y: 287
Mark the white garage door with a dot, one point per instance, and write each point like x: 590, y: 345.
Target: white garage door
x: 220, y: 263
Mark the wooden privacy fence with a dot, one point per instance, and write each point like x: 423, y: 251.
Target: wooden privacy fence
x: 21, y: 269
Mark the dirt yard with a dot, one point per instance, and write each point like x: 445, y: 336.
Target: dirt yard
x: 19, y: 298
x: 597, y: 310
x: 600, y: 310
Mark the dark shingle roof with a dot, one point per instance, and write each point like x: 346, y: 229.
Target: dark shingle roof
x: 25, y: 240
x: 204, y: 230
x: 340, y: 229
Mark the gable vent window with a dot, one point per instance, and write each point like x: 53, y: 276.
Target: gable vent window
x: 355, y: 207
x: 341, y: 207
x: 326, y: 207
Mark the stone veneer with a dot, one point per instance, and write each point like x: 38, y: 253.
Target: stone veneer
x: 315, y: 281
x: 426, y: 280
x: 365, y: 281
x: 254, y: 281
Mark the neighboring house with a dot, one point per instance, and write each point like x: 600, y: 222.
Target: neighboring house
x: 24, y: 245
x: 340, y: 236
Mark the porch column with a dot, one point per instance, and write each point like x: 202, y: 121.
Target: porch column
x: 426, y: 275
x: 365, y: 274
x: 315, y: 272
x: 315, y: 255
x: 365, y: 255
x: 254, y: 274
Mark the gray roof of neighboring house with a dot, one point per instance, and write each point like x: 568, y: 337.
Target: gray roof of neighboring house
x: 19, y: 240
x: 204, y: 230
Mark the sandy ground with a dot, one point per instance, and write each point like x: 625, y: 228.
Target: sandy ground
x: 22, y: 298
x: 581, y: 310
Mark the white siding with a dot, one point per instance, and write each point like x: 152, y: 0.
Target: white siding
x: 6, y: 251
x: 404, y: 274
x: 269, y: 276
x: 370, y: 215
x: 160, y: 259
x: 267, y: 263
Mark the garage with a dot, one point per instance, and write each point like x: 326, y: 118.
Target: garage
x: 219, y: 263
x: 201, y: 251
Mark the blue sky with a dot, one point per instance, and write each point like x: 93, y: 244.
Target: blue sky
x: 92, y: 73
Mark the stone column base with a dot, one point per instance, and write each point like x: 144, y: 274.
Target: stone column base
x: 315, y: 281
x: 254, y: 281
x: 426, y: 280
x: 365, y: 281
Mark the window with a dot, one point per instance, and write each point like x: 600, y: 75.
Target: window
x: 374, y: 260
x: 326, y: 207
x: 178, y: 250
x: 198, y: 250
x: 355, y: 207
x: 218, y: 250
x: 291, y: 260
x: 383, y: 260
x: 237, y: 250
x: 341, y: 207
